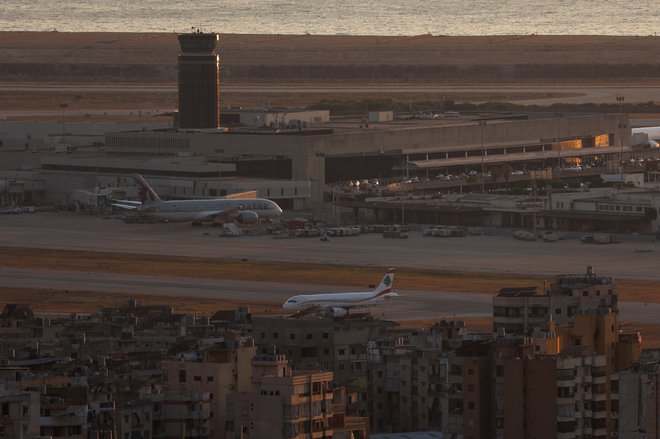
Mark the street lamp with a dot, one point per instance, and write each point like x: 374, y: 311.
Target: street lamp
x: 622, y: 126
x: 63, y: 105
x: 620, y: 99
x: 558, y: 116
x: 483, y: 154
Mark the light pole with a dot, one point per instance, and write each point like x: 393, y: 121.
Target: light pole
x: 558, y: 116
x: 63, y: 105
x: 622, y: 126
x: 620, y: 99
x: 483, y: 154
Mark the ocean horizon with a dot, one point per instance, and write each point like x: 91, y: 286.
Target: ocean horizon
x: 328, y: 17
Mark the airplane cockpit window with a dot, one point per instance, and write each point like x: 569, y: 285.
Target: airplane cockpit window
x: 293, y: 301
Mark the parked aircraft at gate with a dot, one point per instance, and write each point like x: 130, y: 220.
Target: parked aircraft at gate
x: 242, y: 210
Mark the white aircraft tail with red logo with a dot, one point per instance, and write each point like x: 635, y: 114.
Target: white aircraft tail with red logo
x: 146, y: 192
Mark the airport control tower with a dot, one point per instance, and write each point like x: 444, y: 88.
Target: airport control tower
x: 199, y: 81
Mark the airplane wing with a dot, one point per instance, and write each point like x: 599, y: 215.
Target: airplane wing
x: 128, y: 202
x: 210, y: 214
x: 126, y: 206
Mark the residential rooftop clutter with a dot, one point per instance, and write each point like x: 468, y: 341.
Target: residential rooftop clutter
x: 555, y: 365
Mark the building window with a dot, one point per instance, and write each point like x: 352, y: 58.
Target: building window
x: 197, y: 378
x: 470, y: 371
x: 209, y: 379
x: 275, y: 335
x: 182, y: 376
x: 292, y: 336
x: 342, y: 351
x: 471, y: 405
x: 557, y: 311
x: 309, y: 336
x: 325, y: 335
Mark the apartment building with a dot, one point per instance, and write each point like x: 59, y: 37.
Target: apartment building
x: 408, y: 377
x: 291, y: 404
x: 325, y: 343
x: 520, y: 310
x: 219, y: 370
x: 19, y: 414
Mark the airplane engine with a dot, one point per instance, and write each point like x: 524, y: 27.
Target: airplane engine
x: 247, y: 217
x: 339, y: 312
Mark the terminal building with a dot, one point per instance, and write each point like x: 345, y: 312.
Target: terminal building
x: 332, y: 151
x: 290, y: 156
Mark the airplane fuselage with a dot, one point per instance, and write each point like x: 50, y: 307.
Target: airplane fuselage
x: 337, y: 300
x: 189, y: 210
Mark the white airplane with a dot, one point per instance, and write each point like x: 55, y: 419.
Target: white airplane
x: 340, y: 303
x: 243, y: 210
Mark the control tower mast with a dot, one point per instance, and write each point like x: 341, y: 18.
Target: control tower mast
x: 199, y: 81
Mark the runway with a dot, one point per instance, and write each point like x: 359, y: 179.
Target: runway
x: 486, y: 254
x: 575, y: 94
x: 411, y: 305
x: 475, y: 254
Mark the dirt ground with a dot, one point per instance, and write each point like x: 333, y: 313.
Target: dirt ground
x: 162, y: 48
x: 303, y: 273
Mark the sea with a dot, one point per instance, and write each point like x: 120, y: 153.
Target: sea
x: 334, y: 17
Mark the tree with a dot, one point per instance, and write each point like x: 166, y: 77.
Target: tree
x: 495, y: 174
x: 506, y: 173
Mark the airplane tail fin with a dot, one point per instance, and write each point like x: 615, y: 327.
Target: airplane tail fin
x: 147, y: 194
x: 386, y: 284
